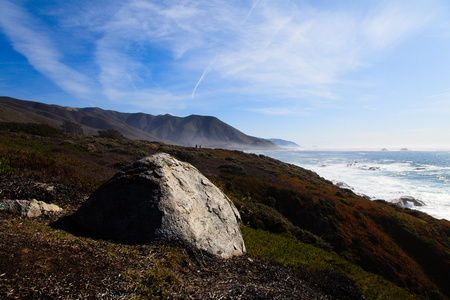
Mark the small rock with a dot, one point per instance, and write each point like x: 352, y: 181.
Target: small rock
x: 48, y: 188
x: 409, y: 199
x: 30, y: 209
x: 342, y: 185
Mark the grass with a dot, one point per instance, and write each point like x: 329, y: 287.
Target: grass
x: 300, y: 256
x: 144, y: 276
x: 155, y: 282
x: 40, y: 262
x: 21, y: 142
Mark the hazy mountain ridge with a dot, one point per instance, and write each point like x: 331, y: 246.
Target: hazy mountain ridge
x: 186, y: 131
x: 283, y: 143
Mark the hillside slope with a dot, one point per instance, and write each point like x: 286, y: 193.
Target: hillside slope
x: 189, y: 131
x: 291, y: 215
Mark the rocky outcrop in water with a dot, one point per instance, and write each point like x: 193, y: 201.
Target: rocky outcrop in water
x: 407, y: 202
x: 160, y: 197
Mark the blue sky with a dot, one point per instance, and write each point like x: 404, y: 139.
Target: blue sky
x: 365, y: 74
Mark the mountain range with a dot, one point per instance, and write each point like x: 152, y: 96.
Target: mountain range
x: 193, y: 130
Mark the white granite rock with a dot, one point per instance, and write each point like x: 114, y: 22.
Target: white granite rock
x: 160, y: 197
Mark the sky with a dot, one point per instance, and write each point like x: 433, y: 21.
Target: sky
x: 332, y: 74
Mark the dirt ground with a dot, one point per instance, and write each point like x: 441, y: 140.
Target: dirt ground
x: 38, y: 261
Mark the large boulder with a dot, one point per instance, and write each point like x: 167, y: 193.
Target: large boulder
x: 159, y: 197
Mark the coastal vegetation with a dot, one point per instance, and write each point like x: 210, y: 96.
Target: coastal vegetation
x: 291, y: 216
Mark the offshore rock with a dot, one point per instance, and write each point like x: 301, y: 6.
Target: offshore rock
x: 159, y: 197
x: 407, y: 202
x: 30, y: 209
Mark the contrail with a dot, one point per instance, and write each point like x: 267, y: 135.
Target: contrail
x: 208, y: 68
x: 206, y: 71
x: 131, y: 81
x: 251, y: 9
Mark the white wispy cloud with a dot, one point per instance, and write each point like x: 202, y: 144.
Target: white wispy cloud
x: 30, y: 38
x: 291, y: 48
x: 396, y: 20
x: 278, y: 49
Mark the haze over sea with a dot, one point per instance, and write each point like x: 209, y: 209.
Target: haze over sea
x: 388, y: 175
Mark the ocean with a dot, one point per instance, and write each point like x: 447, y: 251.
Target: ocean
x: 388, y: 175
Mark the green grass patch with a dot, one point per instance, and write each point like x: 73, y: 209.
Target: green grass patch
x: 6, y: 167
x: 299, y: 256
x: 14, y: 143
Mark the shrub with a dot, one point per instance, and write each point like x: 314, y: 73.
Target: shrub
x: 111, y: 134
x: 232, y: 168
x: 183, y: 154
x: 260, y: 216
x: 72, y: 128
x: 43, y: 130
x: 270, y: 201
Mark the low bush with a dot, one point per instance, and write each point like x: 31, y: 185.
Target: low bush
x: 111, y: 134
x: 260, y: 216
x: 186, y: 155
x: 43, y: 130
x: 232, y: 168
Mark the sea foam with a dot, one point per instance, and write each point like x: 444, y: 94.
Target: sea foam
x: 387, y: 175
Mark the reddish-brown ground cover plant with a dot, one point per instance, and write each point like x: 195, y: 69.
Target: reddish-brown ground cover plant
x: 408, y: 248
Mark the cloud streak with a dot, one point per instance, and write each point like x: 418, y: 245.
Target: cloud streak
x: 206, y: 71
x: 32, y: 40
x: 277, y: 49
x: 394, y: 21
